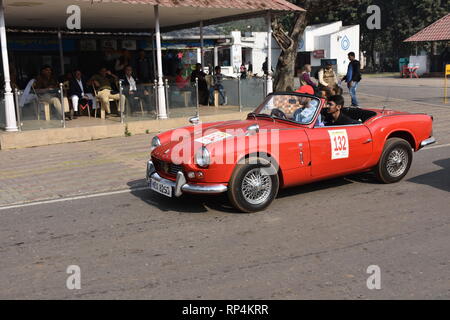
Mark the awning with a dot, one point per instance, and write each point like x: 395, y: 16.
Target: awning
x: 438, y: 31
x: 137, y: 14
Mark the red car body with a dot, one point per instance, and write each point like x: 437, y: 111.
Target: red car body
x: 305, y: 152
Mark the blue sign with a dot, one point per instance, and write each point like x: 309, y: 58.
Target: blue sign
x: 345, y: 43
x: 40, y: 44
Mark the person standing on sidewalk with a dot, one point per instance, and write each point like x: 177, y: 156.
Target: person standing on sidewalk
x: 353, y: 77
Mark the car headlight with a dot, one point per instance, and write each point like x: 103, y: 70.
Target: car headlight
x: 155, y: 143
x: 202, y: 157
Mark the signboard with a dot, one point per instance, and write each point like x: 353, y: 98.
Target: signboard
x: 319, y: 54
x: 88, y: 45
x: 447, y: 70
x: 109, y: 44
x: 129, y: 44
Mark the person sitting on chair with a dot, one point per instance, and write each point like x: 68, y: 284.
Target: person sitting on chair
x: 104, y: 82
x: 46, y: 87
x: 79, y: 90
x: 133, y: 90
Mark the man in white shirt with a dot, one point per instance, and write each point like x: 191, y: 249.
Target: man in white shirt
x: 77, y: 91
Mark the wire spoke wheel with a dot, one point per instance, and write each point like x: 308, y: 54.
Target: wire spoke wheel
x: 256, y: 186
x: 397, y: 162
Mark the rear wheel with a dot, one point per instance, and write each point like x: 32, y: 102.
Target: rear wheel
x: 253, y: 187
x: 395, y: 161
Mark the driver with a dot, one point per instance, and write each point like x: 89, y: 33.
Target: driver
x: 335, y: 116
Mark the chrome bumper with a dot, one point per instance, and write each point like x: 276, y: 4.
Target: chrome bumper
x: 427, y: 142
x: 180, y: 185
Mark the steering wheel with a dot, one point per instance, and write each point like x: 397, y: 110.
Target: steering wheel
x: 278, y: 113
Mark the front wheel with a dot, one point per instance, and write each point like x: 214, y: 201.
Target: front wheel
x: 253, y: 187
x: 395, y: 161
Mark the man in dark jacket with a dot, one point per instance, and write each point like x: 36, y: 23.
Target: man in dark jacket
x: 353, y: 77
x: 78, y: 89
x: 134, y: 90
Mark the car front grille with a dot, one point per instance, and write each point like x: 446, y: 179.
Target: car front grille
x: 167, y: 167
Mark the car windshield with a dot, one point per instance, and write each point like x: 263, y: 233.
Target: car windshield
x: 297, y: 108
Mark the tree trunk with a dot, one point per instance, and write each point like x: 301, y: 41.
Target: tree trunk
x: 288, y: 42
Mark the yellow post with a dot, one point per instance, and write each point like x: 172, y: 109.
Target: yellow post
x: 447, y: 73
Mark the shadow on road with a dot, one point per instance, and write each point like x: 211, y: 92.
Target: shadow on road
x: 185, y: 203
x: 439, y: 179
x: 316, y: 186
x: 200, y: 203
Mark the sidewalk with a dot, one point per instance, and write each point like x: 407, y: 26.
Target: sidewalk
x: 71, y: 169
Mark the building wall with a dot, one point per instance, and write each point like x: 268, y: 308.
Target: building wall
x: 341, y: 49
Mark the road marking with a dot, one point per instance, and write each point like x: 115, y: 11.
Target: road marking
x: 86, y: 196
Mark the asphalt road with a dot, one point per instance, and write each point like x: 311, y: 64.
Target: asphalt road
x: 315, y: 241
x: 427, y: 91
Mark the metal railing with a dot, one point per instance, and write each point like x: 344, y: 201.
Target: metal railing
x: 43, y: 109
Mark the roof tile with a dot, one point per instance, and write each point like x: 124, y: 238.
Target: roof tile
x: 278, y: 5
x: 438, y: 31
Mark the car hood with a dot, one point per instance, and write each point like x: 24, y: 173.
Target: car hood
x: 180, y: 140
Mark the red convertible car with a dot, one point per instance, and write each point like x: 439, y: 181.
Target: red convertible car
x: 285, y: 142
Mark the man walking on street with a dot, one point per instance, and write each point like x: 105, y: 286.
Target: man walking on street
x: 353, y: 77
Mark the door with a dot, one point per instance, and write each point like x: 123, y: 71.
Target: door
x: 339, y: 150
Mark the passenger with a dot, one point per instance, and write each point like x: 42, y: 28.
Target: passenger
x: 305, y: 114
x: 335, y: 116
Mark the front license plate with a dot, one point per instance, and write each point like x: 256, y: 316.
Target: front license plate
x: 160, y: 187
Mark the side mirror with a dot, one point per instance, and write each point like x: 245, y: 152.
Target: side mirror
x: 194, y: 120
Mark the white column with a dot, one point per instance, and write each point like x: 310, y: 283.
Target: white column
x: 10, y: 113
x: 162, y: 112
x: 202, y: 51
x: 199, y: 55
x: 216, y: 56
x: 269, y: 53
x: 61, y: 52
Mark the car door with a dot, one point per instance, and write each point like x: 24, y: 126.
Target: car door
x: 339, y: 149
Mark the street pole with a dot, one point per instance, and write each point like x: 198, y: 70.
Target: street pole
x: 162, y: 113
x: 10, y: 114
x: 269, y: 86
x: 16, y: 100
x: 196, y: 90
x: 167, y: 96
x: 239, y: 94
x: 121, y: 106
x: 61, y: 95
